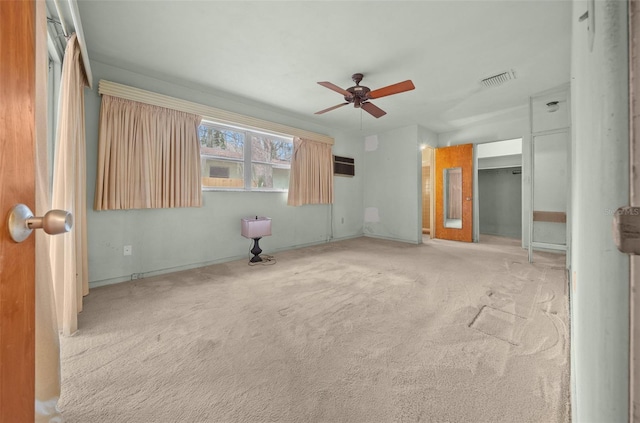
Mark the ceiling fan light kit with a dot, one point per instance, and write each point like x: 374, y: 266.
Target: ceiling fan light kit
x: 359, y: 95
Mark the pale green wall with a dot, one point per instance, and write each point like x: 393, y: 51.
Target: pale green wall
x: 392, y: 188
x: 171, y: 239
x: 500, y: 202
x: 600, y: 155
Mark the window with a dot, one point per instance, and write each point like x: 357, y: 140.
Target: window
x: 237, y: 158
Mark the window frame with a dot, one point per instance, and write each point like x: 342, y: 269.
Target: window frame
x: 247, y: 159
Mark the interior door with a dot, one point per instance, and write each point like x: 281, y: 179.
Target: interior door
x: 17, y: 185
x: 454, y: 193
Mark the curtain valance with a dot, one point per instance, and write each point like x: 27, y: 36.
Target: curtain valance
x: 207, y: 112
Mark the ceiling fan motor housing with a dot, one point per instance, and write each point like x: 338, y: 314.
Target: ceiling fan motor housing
x: 358, y: 94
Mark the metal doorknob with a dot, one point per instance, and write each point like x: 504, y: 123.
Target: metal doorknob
x: 22, y: 222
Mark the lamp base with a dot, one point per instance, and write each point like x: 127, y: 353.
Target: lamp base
x: 256, y: 251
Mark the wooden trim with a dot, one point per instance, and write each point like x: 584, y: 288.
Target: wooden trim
x: 545, y: 216
x: 207, y: 112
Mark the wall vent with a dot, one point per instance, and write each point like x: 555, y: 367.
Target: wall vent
x: 343, y: 166
x: 499, y: 79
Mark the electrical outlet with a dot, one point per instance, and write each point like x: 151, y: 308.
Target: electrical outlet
x: 128, y: 250
x: 342, y: 221
x: 136, y: 276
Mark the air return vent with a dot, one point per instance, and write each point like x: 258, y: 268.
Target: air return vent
x: 499, y: 79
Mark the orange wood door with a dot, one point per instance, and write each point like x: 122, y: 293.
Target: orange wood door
x: 458, y: 161
x: 17, y: 185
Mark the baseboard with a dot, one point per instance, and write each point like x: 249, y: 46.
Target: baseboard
x: 142, y: 275
x: 129, y: 278
x: 406, y: 241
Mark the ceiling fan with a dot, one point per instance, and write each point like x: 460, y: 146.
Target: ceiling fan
x: 360, y: 95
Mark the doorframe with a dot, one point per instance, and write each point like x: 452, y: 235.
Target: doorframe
x: 432, y: 202
x: 476, y: 184
x: 530, y: 245
x: 634, y: 201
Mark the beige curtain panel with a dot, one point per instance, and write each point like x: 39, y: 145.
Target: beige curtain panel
x: 148, y: 157
x: 69, y: 264
x: 311, y: 178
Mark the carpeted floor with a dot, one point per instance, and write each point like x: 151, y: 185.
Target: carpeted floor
x: 363, y: 330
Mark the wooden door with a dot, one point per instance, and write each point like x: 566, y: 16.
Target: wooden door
x: 453, y: 191
x: 17, y: 185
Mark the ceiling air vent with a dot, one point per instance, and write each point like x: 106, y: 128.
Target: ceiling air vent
x: 499, y: 79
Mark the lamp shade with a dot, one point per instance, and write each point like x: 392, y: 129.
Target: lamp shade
x: 256, y: 227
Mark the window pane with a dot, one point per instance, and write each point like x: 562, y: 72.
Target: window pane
x: 221, y: 142
x: 281, y: 178
x: 222, y: 173
x: 267, y: 149
x: 271, y: 161
x: 261, y: 176
x: 228, y: 152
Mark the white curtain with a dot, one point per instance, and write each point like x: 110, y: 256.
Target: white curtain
x: 148, y: 157
x: 311, y: 177
x: 69, y: 251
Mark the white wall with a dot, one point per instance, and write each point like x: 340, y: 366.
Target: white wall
x: 172, y: 239
x: 392, y: 188
x: 500, y: 205
x: 600, y: 273
x: 500, y: 148
x: 509, y: 125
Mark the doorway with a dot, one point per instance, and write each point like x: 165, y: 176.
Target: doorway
x: 426, y: 192
x: 499, y: 192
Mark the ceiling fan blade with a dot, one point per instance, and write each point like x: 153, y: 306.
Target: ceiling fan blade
x: 400, y: 87
x: 330, y: 109
x: 373, y: 110
x: 335, y: 88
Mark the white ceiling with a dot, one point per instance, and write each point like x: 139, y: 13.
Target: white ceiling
x: 273, y: 53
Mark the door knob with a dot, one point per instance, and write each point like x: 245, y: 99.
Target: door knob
x: 22, y: 222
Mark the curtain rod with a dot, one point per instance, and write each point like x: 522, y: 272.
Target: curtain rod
x: 62, y: 24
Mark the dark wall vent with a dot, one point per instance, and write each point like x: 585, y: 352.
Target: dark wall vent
x: 343, y: 166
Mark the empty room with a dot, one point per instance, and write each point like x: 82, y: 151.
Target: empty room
x: 318, y: 211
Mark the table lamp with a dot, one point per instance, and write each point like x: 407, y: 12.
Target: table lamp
x: 256, y: 228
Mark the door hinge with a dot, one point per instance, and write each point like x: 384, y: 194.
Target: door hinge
x: 626, y: 229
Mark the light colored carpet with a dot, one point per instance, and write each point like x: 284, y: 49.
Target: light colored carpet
x: 362, y: 330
